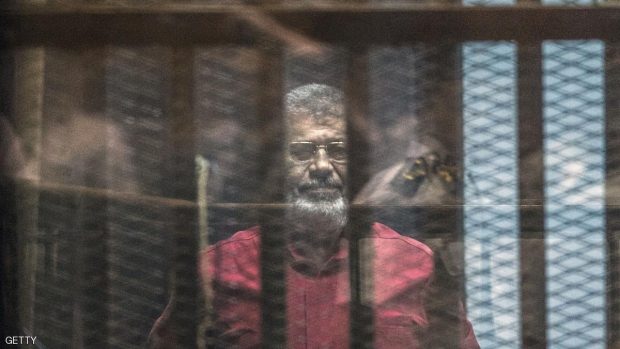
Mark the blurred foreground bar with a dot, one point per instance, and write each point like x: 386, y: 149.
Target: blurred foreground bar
x: 79, y: 25
x: 358, y: 225
x: 531, y: 191
x: 271, y: 177
x: 612, y: 191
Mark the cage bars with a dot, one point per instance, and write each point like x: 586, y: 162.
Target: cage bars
x: 531, y: 197
x: 567, y: 23
x: 27, y: 100
x: 443, y: 108
x: 361, y: 24
x: 188, y: 303
x: 612, y: 194
x: 358, y: 225
x: 272, y: 176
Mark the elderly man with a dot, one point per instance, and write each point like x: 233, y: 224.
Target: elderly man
x: 317, y: 274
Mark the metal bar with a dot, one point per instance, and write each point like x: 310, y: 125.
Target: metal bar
x: 272, y: 175
x: 441, y: 210
x: 27, y: 89
x: 531, y: 191
x: 612, y: 196
x: 358, y: 226
x: 443, y: 110
x: 91, y: 218
x: 188, y: 307
x: 360, y: 24
x: 9, y: 251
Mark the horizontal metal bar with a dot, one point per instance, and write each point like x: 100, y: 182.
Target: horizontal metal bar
x: 152, y: 200
x: 347, y: 25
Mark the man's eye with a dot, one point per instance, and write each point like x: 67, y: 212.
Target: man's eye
x: 337, y: 151
x: 301, y: 151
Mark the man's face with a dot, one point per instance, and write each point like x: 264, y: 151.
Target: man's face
x: 316, y: 159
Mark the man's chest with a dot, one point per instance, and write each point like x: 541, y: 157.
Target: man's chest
x: 318, y: 315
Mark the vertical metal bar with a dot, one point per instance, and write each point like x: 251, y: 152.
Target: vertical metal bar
x: 10, y: 250
x: 612, y: 190
x: 188, y: 305
x: 360, y: 262
x: 531, y: 194
x: 27, y: 85
x: 10, y: 295
x: 531, y: 197
x: 443, y: 110
x: 92, y: 219
x: 272, y: 175
x: 9, y: 285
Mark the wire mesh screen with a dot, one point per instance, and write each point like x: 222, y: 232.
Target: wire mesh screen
x: 407, y: 95
x: 573, y: 81
x: 226, y: 80
x: 114, y: 252
x: 491, y: 216
x: 138, y: 258
x: 70, y: 258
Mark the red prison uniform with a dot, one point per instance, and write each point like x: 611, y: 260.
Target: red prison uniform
x: 318, y: 300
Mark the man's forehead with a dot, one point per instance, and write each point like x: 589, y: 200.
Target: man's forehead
x: 309, y: 127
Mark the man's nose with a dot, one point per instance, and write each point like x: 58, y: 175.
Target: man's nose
x: 321, y: 167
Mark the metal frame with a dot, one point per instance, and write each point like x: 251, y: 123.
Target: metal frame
x: 343, y: 24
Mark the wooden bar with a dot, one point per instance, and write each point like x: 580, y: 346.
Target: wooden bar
x: 361, y: 24
x: 531, y: 197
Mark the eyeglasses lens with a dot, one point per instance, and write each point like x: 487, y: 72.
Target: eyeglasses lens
x: 301, y: 151
x: 336, y: 151
x: 304, y: 151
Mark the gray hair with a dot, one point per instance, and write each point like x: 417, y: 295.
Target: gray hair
x: 315, y: 100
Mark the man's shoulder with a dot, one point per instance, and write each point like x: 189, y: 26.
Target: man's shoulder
x: 234, y: 262
x: 402, y: 265
x: 245, y: 239
x: 386, y: 236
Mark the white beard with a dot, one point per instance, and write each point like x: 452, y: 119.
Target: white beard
x: 320, y: 219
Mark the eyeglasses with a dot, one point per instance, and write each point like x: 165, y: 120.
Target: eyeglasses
x: 304, y: 151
